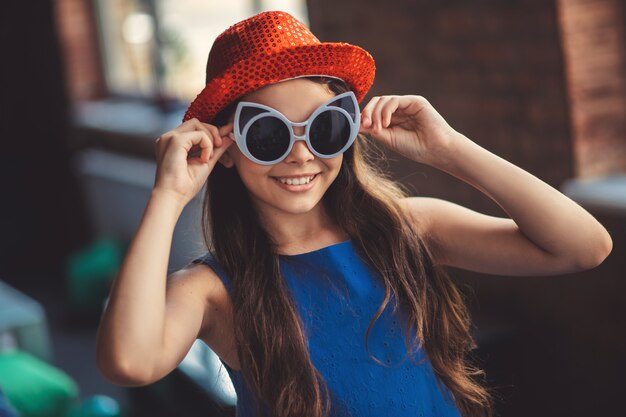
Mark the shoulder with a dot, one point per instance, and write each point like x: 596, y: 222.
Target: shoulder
x: 419, y: 209
x: 204, y: 272
x: 427, y: 215
x: 202, y: 281
x: 422, y: 212
x: 210, y: 276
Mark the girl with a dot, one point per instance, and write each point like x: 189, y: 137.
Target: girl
x: 323, y: 290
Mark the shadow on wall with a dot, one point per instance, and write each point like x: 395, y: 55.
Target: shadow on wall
x: 565, y: 355
x: 42, y: 218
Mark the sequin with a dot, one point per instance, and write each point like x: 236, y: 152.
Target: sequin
x: 270, y: 47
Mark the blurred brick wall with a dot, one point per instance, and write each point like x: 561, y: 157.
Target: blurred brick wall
x: 81, y: 51
x: 494, y: 70
x: 594, y: 44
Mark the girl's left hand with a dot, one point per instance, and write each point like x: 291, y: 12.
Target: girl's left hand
x: 408, y: 125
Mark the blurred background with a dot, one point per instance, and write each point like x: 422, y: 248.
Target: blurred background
x: 87, y: 85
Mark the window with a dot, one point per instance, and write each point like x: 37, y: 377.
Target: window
x: 158, y: 48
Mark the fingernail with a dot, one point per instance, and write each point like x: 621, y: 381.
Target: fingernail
x: 231, y: 135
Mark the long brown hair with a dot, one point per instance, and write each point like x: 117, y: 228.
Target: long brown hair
x: 271, y: 343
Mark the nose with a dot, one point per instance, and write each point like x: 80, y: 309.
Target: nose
x: 298, y: 130
x: 300, y: 153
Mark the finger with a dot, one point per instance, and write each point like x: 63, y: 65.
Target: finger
x: 376, y: 112
x: 220, y: 133
x: 203, y: 139
x: 215, y: 135
x: 193, y: 141
x: 193, y: 124
x: 219, y: 151
x: 226, y: 129
x: 190, y: 125
x: 366, y: 114
x: 387, y: 111
x: 208, y: 146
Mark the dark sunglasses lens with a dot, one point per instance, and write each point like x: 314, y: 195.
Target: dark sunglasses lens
x: 329, y: 132
x: 268, y: 138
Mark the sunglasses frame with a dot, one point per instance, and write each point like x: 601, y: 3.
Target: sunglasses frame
x: 240, y: 135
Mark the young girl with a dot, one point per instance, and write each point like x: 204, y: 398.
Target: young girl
x: 323, y: 290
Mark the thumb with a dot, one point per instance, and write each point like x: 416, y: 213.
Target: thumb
x: 226, y: 138
x: 218, y: 151
x: 224, y: 130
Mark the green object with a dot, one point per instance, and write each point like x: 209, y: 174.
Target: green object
x: 23, y: 319
x: 96, y: 406
x: 6, y: 409
x: 35, y: 388
x: 90, y: 272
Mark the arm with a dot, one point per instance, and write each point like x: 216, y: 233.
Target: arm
x: 547, y: 232
x: 150, y: 322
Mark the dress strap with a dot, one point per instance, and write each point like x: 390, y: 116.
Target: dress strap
x: 210, y: 260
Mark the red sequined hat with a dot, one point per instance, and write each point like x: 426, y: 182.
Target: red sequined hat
x: 270, y: 47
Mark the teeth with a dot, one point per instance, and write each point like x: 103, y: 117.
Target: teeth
x: 296, y: 181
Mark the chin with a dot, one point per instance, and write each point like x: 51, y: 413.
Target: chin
x: 268, y: 196
x: 291, y: 205
x: 296, y: 207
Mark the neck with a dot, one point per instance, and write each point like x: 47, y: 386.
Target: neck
x: 301, y: 232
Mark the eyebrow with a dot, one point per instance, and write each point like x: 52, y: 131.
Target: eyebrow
x: 329, y: 100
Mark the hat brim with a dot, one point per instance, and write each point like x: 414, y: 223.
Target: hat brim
x: 349, y: 62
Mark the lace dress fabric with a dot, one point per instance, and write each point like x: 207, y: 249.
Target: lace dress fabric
x: 337, y: 295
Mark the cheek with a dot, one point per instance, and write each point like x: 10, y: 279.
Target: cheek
x: 249, y: 172
x: 333, y: 165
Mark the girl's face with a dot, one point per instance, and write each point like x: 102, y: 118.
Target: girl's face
x: 296, y: 99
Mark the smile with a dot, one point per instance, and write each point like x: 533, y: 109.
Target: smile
x: 296, y: 181
x: 303, y: 183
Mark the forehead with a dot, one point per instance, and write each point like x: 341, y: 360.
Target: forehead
x: 296, y: 98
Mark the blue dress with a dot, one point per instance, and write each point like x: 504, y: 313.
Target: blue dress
x: 337, y: 294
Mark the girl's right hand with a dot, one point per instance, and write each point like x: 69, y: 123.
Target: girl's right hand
x: 181, y: 174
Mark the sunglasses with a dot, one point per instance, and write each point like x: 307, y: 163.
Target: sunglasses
x: 266, y: 136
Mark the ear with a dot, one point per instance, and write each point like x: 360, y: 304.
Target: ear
x: 226, y: 159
